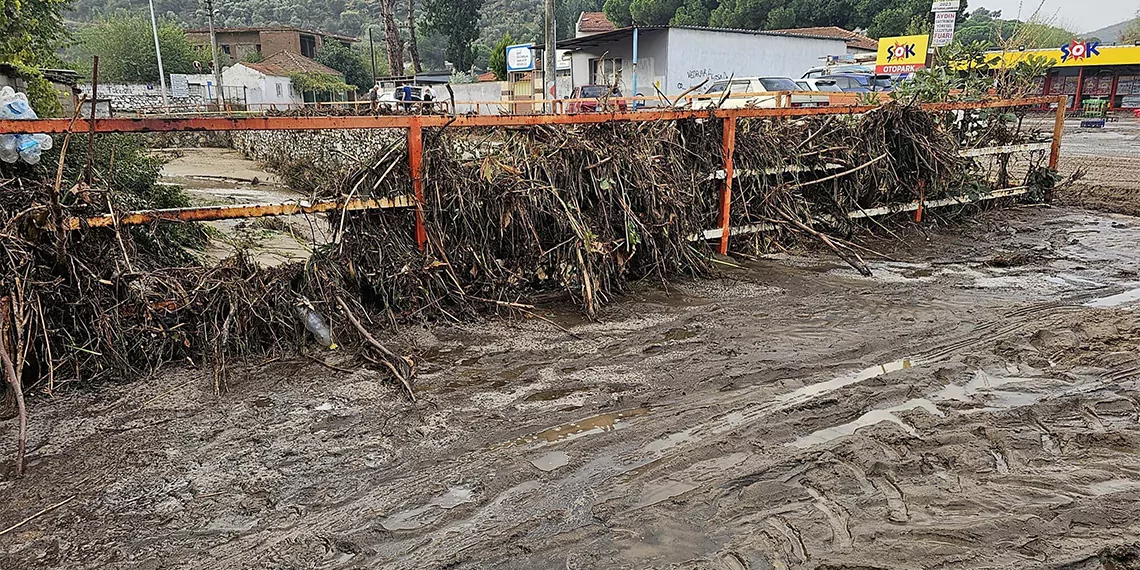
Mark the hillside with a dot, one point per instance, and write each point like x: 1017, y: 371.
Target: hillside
x: 1110, y: 34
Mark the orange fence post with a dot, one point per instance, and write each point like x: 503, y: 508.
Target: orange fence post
x: 1058, y: 130
x: 728, y: 147
x: 416, y: 163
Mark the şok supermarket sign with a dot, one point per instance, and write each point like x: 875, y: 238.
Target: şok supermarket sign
x: 901, y: 54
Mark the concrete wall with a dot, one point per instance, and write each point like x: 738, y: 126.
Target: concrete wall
x: 678, y: 58
x: 485, y: 91
x: 261, y: 91
x: 652, y: 62
x: 699, y: 54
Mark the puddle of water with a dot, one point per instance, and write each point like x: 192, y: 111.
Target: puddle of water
x: 678, y: 334
x: 551, y: 461
x: 813, y: 390
x: 1114, y: 300
x: 422, y: 516
x: 662, y: 491
x: 592, y: 425
x: 550, y: 394
x: 868, y: 419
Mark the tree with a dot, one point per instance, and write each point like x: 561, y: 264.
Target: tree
x: 392, y: 37
x: 497, y: 61
x: 343, y: 59
x: 694, y: 13
x: 458, y: 20
x: 1131, y: 33
x: 125, y: 46
x: 653, y: 12
x: 413, y: 46
x: 617, y: 11
x: 30, y: 33
x: 781, y: 17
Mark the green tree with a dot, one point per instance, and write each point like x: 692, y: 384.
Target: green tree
x: 617, y: 11
x: 781, y: 17
x: 458, y: 20
x: 125, y: 46
x: 497, y: 60
x: 356, y: 71
x: 1131, y: 33
x: 694, y: 13
x: 30, y: 33
x: 653, y: 12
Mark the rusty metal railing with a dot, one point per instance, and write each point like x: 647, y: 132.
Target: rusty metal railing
x: 414, y: 125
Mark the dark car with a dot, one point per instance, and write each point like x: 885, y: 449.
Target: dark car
x: 861, y: 82
x: 594, y: 92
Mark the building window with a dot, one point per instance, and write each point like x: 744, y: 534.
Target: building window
x: 604, y: 71
x: 279, y: 90
x: 226, y: 49
x: 257, y: 48
x: 308, y: 45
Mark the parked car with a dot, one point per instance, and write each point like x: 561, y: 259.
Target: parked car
x: 822, y: 70
x: 594, y: 92
x: 862, y: 82
x: 741, y: 85
x: 817, y: 85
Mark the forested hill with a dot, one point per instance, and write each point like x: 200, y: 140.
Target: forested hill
x: 521, y: 18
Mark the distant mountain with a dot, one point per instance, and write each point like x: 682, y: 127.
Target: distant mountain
x: 1109, y: 34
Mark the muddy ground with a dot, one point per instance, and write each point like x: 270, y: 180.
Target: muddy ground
x: 974, y: 404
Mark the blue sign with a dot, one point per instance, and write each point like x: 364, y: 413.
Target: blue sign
x: 520, y: 57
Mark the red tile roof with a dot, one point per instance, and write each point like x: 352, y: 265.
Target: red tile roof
x: 853, y: 39
x: 282, y: 63
x: 595, y: 22
x: 488, y: 76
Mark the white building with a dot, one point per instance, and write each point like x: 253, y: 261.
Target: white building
x: 679, y: 57
x: 267, y: 84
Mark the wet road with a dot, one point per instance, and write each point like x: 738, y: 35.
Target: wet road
x: 972, y: 405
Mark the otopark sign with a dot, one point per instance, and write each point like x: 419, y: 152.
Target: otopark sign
x: 901, y: 54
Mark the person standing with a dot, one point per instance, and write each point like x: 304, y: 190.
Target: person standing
x: 406, y: 91
x: 373, y: 97
x: 429, y: 97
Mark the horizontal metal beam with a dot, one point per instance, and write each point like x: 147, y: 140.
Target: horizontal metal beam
x: 871, y: 212
x: 1006, y: 149
x: 167, y: 124
x: 208, y: 213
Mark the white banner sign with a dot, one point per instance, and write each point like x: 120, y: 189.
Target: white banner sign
x: 945, y: 6
x: 520, y: 58
x: 943, y: 28
x: 179, y: 85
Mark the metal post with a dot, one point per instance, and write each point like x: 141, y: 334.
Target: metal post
x: 1058, y: 130
x: 416, y: 164
x: 214, y: 49
x: 372, y: 54
x: 634, y: 106
x: 94, y: 107
x: 550, y: 63
x: 1080, y: 89
x: 158, y: 54
x: 728, y: 148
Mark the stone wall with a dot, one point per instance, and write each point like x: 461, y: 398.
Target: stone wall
x: 315, y: 160
x: 141, y: 98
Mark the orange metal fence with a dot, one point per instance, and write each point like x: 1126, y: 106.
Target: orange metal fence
x: 414, y: 124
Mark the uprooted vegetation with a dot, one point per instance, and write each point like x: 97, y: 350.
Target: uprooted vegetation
x: 513, y: 216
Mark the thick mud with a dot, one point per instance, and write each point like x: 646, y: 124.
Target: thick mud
x: 975, y: 404
x: 1109, y: 157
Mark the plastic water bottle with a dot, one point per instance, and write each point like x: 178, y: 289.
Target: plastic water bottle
x: 15, y: 105
x: 29, y: 148
x: 8, y: 152
x: 316, y: 325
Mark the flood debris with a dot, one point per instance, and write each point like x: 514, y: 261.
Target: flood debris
x: 512, y: 217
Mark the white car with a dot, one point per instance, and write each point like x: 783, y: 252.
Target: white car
x: 818, y: 85
x: 725, y: 89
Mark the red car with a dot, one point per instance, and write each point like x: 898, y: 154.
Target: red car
x: 595, y: 92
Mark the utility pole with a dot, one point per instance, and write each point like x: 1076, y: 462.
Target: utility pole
x: 158, y: 54
x: 214, y: 50
x: 372, y: 54
x: 550, y: 59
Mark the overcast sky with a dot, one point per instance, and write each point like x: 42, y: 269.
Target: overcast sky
x: 1078, y: 15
